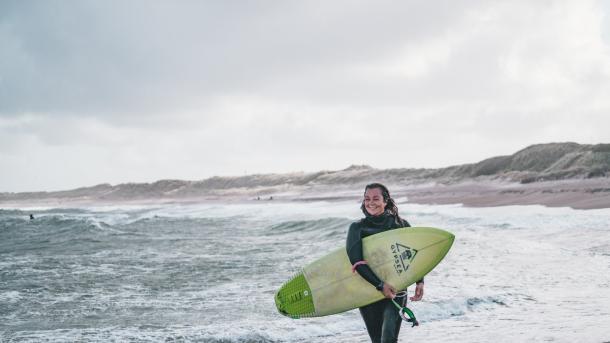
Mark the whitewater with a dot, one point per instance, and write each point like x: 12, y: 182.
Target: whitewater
x: 208, y: 273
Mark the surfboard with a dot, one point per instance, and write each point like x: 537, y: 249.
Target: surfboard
x: 327, y: 285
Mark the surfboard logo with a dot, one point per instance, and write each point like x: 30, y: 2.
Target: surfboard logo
x: 403, y: 255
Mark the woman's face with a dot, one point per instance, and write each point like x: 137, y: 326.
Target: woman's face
x: 374, y: 202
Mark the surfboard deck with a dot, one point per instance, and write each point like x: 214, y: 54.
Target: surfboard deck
x: 327, y: 286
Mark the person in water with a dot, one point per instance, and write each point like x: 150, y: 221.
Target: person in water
x: 381, y: 318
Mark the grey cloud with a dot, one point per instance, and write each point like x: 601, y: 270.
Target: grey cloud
x: 195, y: 88
x: 143, y: 57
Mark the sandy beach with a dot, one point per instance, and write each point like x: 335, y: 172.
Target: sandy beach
x: 575, y: 193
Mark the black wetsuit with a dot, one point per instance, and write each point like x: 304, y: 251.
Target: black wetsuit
x: 381, y: 318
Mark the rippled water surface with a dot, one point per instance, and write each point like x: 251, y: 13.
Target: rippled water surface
x: 207, y: 273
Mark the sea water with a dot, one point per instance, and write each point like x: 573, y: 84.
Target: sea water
x: 208, y: 273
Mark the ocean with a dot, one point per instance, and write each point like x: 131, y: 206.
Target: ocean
x: 208, y: 273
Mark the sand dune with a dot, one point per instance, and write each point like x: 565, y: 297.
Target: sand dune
x: 554, y: 174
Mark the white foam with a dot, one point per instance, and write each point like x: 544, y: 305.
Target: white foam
x: 515, y: 273
x: 10, y: 296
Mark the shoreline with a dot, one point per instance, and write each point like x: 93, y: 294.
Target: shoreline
x: 582, y: 194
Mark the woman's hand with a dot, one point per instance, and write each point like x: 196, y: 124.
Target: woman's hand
x: 388, y: 291
x: 419, y: 292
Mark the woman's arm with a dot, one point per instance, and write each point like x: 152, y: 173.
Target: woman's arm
x: 354, y: 252
x: 419, y: 291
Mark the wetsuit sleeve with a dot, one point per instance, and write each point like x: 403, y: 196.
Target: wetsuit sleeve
x: 354, y: 252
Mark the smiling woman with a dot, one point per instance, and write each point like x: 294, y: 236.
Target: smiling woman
x: 374, y: 201
x: 381, y: 214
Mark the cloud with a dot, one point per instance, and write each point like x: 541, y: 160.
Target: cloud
x: 142, y: 57
x: 140, y: 91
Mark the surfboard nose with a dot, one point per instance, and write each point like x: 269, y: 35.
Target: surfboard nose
x: 440, y: 241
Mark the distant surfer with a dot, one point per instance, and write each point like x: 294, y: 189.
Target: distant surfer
x: 381, y: 318
x: 31, y: 216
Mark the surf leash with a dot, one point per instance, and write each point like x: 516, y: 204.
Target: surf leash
x: 405, y: 313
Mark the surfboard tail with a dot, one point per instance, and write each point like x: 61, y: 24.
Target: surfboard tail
x: 294, y: 298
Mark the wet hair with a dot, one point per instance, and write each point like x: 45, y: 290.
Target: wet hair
x: 390, y: 206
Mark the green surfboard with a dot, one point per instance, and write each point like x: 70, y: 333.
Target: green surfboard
x: 328, y: 286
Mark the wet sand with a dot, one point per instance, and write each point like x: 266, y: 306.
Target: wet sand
x: 577, y: 194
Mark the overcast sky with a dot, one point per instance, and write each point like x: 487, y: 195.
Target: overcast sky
x: 136, y: 91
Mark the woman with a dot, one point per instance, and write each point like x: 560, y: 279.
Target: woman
x: 381, y: 318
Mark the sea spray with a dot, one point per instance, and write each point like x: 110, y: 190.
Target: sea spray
x: 208, y: 273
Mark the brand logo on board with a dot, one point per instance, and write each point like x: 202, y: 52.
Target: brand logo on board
x: 403, y: 255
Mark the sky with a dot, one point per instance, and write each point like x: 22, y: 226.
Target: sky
x: 137, y: 91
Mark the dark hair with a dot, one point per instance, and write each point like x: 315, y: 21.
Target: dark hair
x: 390, y: 206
